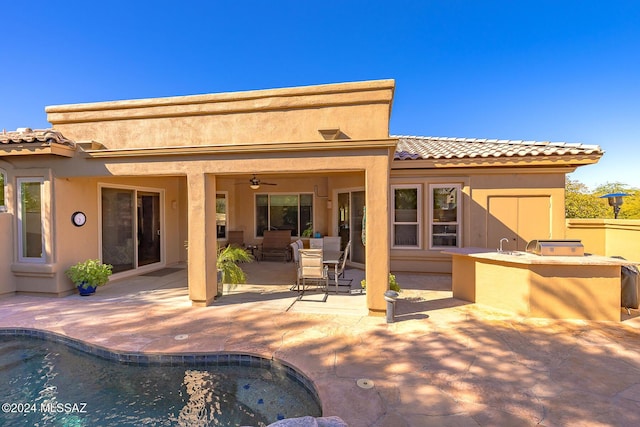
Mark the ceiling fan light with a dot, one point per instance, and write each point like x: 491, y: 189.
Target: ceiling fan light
x: 254, y: 186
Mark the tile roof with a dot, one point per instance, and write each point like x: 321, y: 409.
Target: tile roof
x: 426, y: 147
x: 37, y: 136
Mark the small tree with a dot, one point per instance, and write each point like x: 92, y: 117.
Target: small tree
x: 580, y: 203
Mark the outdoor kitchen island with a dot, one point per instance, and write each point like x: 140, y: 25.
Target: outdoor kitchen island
x: 530, y: 285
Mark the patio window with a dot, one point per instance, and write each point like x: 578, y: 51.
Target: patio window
x: 444, y: 221
x: 284, y: 212
x: 3, y: 183
x: 221, y: 215
x: 406, y: 217
x: 30, y: 219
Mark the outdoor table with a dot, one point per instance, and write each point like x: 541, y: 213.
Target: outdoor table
x: 333, y: 258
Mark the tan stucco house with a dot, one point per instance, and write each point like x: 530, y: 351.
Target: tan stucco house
x: 152, y: 174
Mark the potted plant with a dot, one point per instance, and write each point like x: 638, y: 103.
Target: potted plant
x: 229, y: 272
x: 88, y: 275
x: 393, y: 284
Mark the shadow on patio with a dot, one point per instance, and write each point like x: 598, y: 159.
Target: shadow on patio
x: 270, y: 287
x: 464, y: 365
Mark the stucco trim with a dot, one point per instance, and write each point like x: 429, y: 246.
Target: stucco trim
x: 33, y: 269
x: 242, y: 148
x: 340, y: 94
x: 560, y: 160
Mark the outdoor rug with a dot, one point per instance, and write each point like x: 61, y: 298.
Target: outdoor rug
x: 163, y: 272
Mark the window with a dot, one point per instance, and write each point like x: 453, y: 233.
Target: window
x: 221, y: 215
x: 3, y: 181
x: 284, y: 212
x: 445, y: 215
x: 406, y: 217
x: 30, y: 219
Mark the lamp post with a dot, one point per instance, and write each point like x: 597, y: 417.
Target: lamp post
x: 615, y: 201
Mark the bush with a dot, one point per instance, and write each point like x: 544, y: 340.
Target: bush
x: 393, y: 284
x: 91, y: 272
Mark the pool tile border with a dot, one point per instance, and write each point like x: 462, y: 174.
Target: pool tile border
x: 201, y: 360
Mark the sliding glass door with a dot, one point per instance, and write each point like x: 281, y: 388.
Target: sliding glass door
x: 130, y: 228
x: 148, y: 228
x: 350, y: 221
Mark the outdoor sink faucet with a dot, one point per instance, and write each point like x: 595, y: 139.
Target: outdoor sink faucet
x: 504, y: 239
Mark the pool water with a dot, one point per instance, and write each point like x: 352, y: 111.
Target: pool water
x: 47, y: 383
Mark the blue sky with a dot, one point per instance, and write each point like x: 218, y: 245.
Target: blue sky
x: 533, y: 70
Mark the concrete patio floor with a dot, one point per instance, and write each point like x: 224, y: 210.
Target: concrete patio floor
x: 443, y: 362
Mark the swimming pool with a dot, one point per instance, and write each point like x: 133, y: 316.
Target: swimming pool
x: 53, y: 380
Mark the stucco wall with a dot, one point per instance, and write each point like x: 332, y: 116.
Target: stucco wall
x: 608, y: 237
x: 72, y: 244
x: 7, y: 284
x: 479, y: 188
x: 360, y: 110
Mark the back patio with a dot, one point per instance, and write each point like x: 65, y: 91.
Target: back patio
x: 443, y: 361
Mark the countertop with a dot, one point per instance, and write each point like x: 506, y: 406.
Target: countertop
x: 519, y: 257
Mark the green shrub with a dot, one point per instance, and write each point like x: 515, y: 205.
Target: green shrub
x: 228, y: 259
x: 393, y: 284
x: 91, y: 272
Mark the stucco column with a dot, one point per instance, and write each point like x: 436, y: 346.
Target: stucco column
x: 201, y: 212
x: 377, y: 235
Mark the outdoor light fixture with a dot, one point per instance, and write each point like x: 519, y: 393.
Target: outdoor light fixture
x: 615, y: 201
x: 254, y: 183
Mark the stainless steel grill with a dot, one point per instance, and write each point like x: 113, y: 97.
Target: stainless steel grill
x: 556, y: 247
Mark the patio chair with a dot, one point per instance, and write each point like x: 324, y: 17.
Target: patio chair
x: 341, y: 268
x: 315, y: 243
x: 296, y: 261
x: 312, y: 272
x: 294, y: 253
x: 236, y: 238
x: 331, y: 243
x: 276, y: 243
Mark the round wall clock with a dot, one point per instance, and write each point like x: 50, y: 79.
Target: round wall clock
x: 78, y: 219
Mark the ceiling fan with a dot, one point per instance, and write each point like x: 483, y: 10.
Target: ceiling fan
x: 255, y: 183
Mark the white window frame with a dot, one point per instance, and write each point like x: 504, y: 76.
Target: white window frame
x: 163, y: 241
x: 457, y: 222
x: 21, y: 243
x: 418, y: 221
